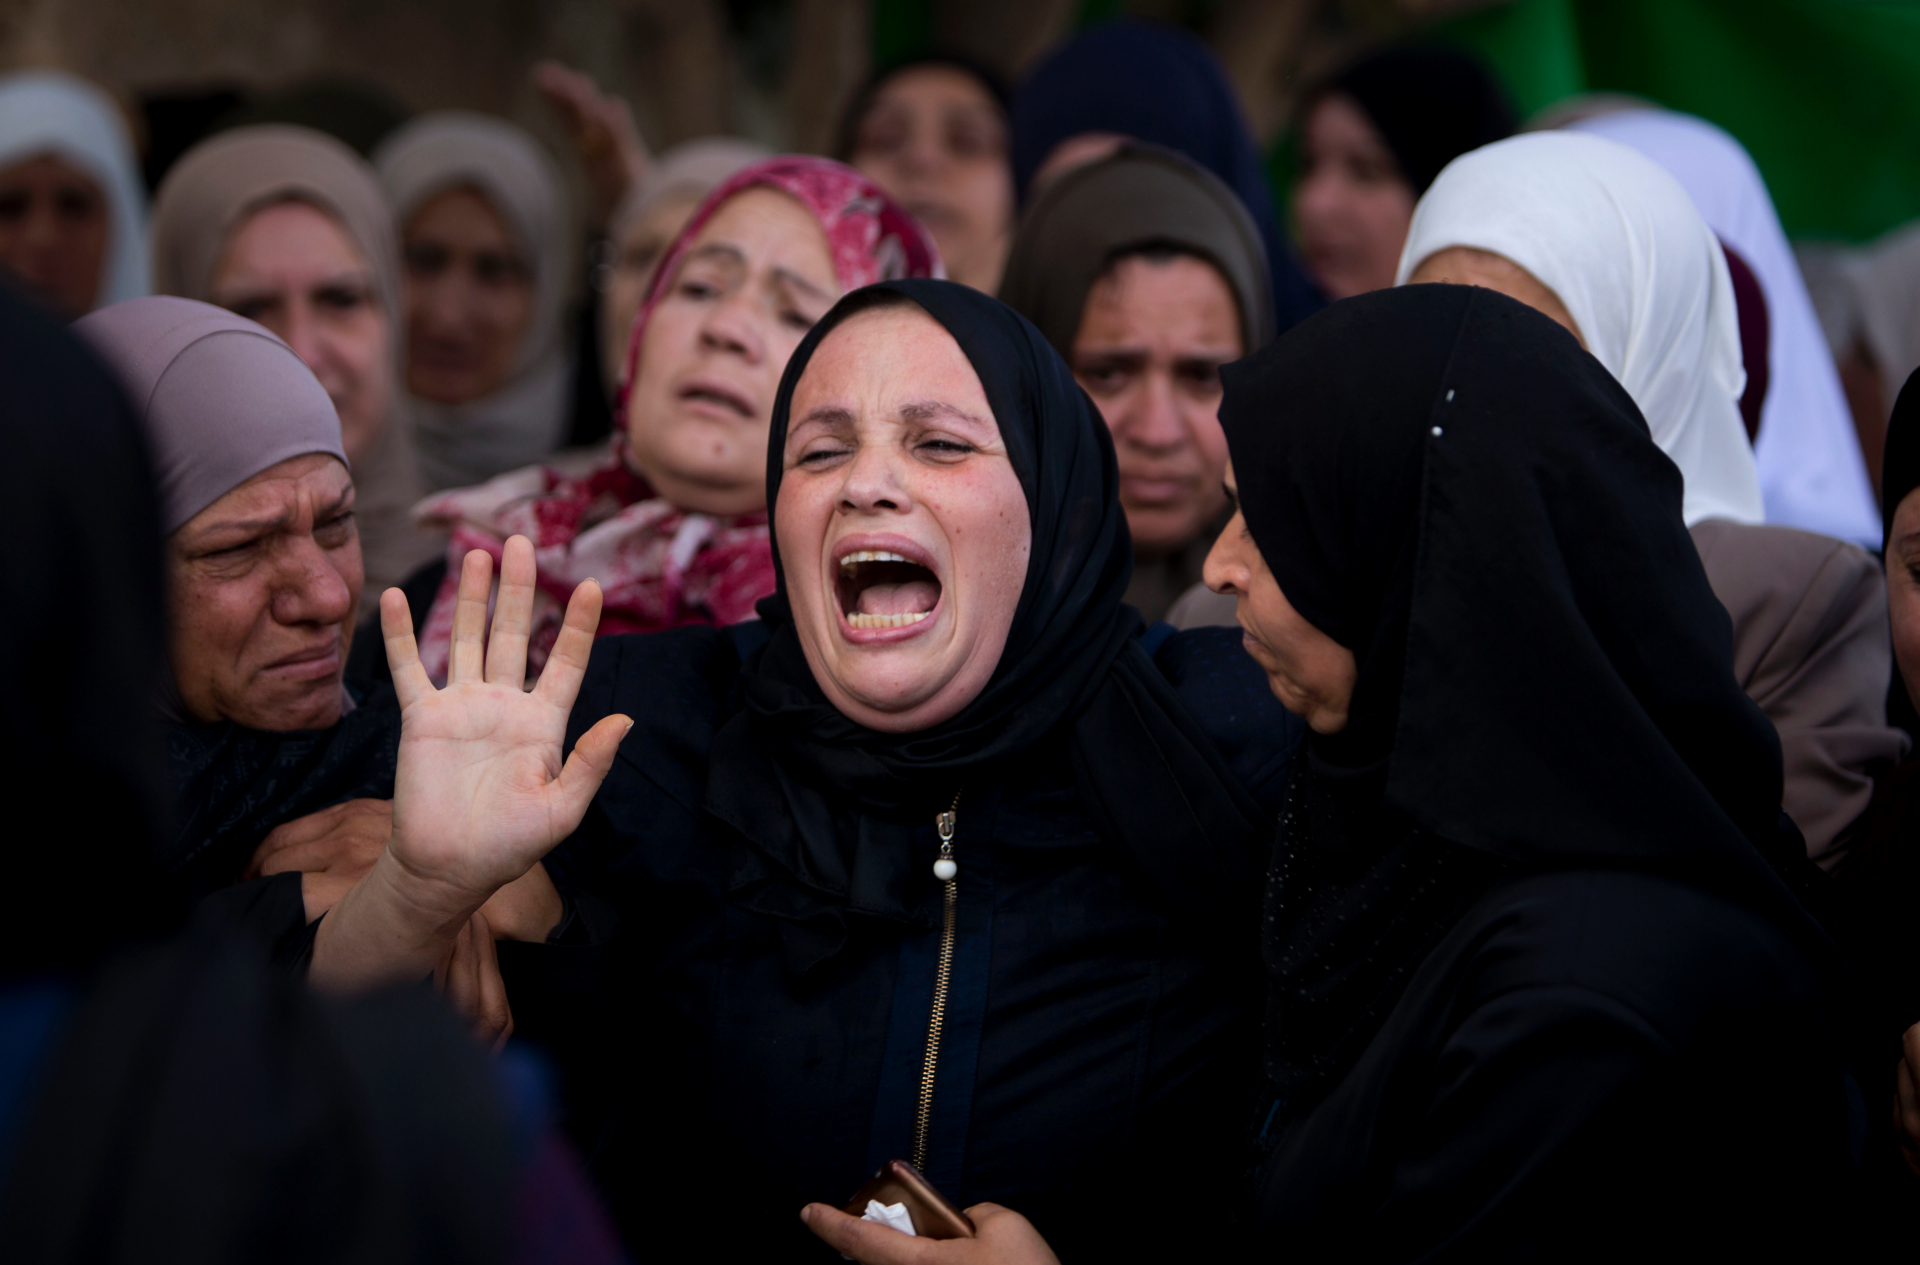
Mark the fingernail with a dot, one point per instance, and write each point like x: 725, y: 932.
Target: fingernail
x: 806, y: 1214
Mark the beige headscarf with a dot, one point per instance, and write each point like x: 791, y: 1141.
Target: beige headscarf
x: 691, y: 169
x: 208, y: 193
x: 464, y: 444
x: 1870, y: 293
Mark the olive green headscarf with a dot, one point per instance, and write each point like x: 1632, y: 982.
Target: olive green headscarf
x: 1136, y: 198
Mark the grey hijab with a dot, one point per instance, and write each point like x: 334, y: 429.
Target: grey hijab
x: 219, y: 398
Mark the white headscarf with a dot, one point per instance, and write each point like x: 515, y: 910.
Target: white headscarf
x: 51, y: 112
x: 1812, y: 475
x: 1618, y: 240
x: 464, y: 444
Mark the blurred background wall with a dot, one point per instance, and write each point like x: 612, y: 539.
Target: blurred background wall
x: 1825, y: 93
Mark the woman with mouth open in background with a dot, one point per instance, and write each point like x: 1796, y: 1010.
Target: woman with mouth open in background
x: 674, y: 526
x: 944, y: 759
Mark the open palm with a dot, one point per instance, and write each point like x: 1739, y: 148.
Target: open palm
x: 481, y: 793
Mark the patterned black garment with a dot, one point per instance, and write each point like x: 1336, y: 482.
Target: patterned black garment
x: 236, y: 784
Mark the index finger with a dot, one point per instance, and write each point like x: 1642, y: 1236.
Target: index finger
x: 410, y: 680
x: 567, y: 664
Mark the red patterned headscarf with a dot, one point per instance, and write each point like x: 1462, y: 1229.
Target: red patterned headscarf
x: 661, y: 566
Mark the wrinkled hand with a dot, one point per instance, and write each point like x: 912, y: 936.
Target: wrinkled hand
x: 332, y: 850
x: 602, y: 129
x: 1906, y: 1103
x: 470, y: 980
x: 1004, y: 1238
x: 480, y: 793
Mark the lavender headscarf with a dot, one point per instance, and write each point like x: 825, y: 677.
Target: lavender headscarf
x: 219, y: 398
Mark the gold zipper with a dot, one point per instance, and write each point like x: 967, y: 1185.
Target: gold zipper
x: 947, y: 870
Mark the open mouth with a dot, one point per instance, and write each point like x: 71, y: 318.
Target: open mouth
x: 709, y: 393
x: 879, y: 589
x: 930, y: 213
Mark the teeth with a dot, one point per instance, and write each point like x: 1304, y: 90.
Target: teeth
x: 854, y: 559
x: 886, y: 621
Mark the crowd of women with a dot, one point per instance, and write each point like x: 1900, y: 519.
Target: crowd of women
x: 1386, y: 741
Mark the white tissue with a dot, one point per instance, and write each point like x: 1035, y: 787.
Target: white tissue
x: 894, y: 1216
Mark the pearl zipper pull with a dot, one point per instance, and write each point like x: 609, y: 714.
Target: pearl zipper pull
x: 946, y: 867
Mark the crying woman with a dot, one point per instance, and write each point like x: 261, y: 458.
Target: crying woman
x: 940, y: 860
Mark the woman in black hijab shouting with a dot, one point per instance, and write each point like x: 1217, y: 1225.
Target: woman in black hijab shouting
x: 940, y: 859
x: 1535, y: 988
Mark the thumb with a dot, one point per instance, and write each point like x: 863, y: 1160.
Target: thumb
x: 864, y: 1240
x: 585, y: 769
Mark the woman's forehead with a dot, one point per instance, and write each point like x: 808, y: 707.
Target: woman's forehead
x: 937, y: 87
x: 270, y: 494
x: 891, y: 355
x: 762, y: 223
x: 292, y: 222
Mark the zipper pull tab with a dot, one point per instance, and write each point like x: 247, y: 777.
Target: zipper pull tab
x: 946, y: 867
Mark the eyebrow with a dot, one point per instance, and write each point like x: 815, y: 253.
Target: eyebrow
x: 345, y: 276
x: 912, y: 411
x: 829, y: 415
x: 246, y: 526
x: 794, y: 279
x: 927, y: 410
x: 733, y: 254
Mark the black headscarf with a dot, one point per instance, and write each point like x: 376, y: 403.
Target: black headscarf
x: 82, y: 638
x: 1899, y: 476
x: 1444, y: 483
x: 1159, y: 84
x: 942, y: 59
x: 825, y: 807
x: 1900, y: 467
x: 1431, y: 106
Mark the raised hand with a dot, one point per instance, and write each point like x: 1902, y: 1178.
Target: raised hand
x: 602, y: 129
x: 480, y: 792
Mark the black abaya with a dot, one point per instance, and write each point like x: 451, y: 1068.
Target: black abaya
x: 1098, y: 1060
x: 1532, y: 925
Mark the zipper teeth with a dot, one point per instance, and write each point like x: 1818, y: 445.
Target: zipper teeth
x: 936, y: 1019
